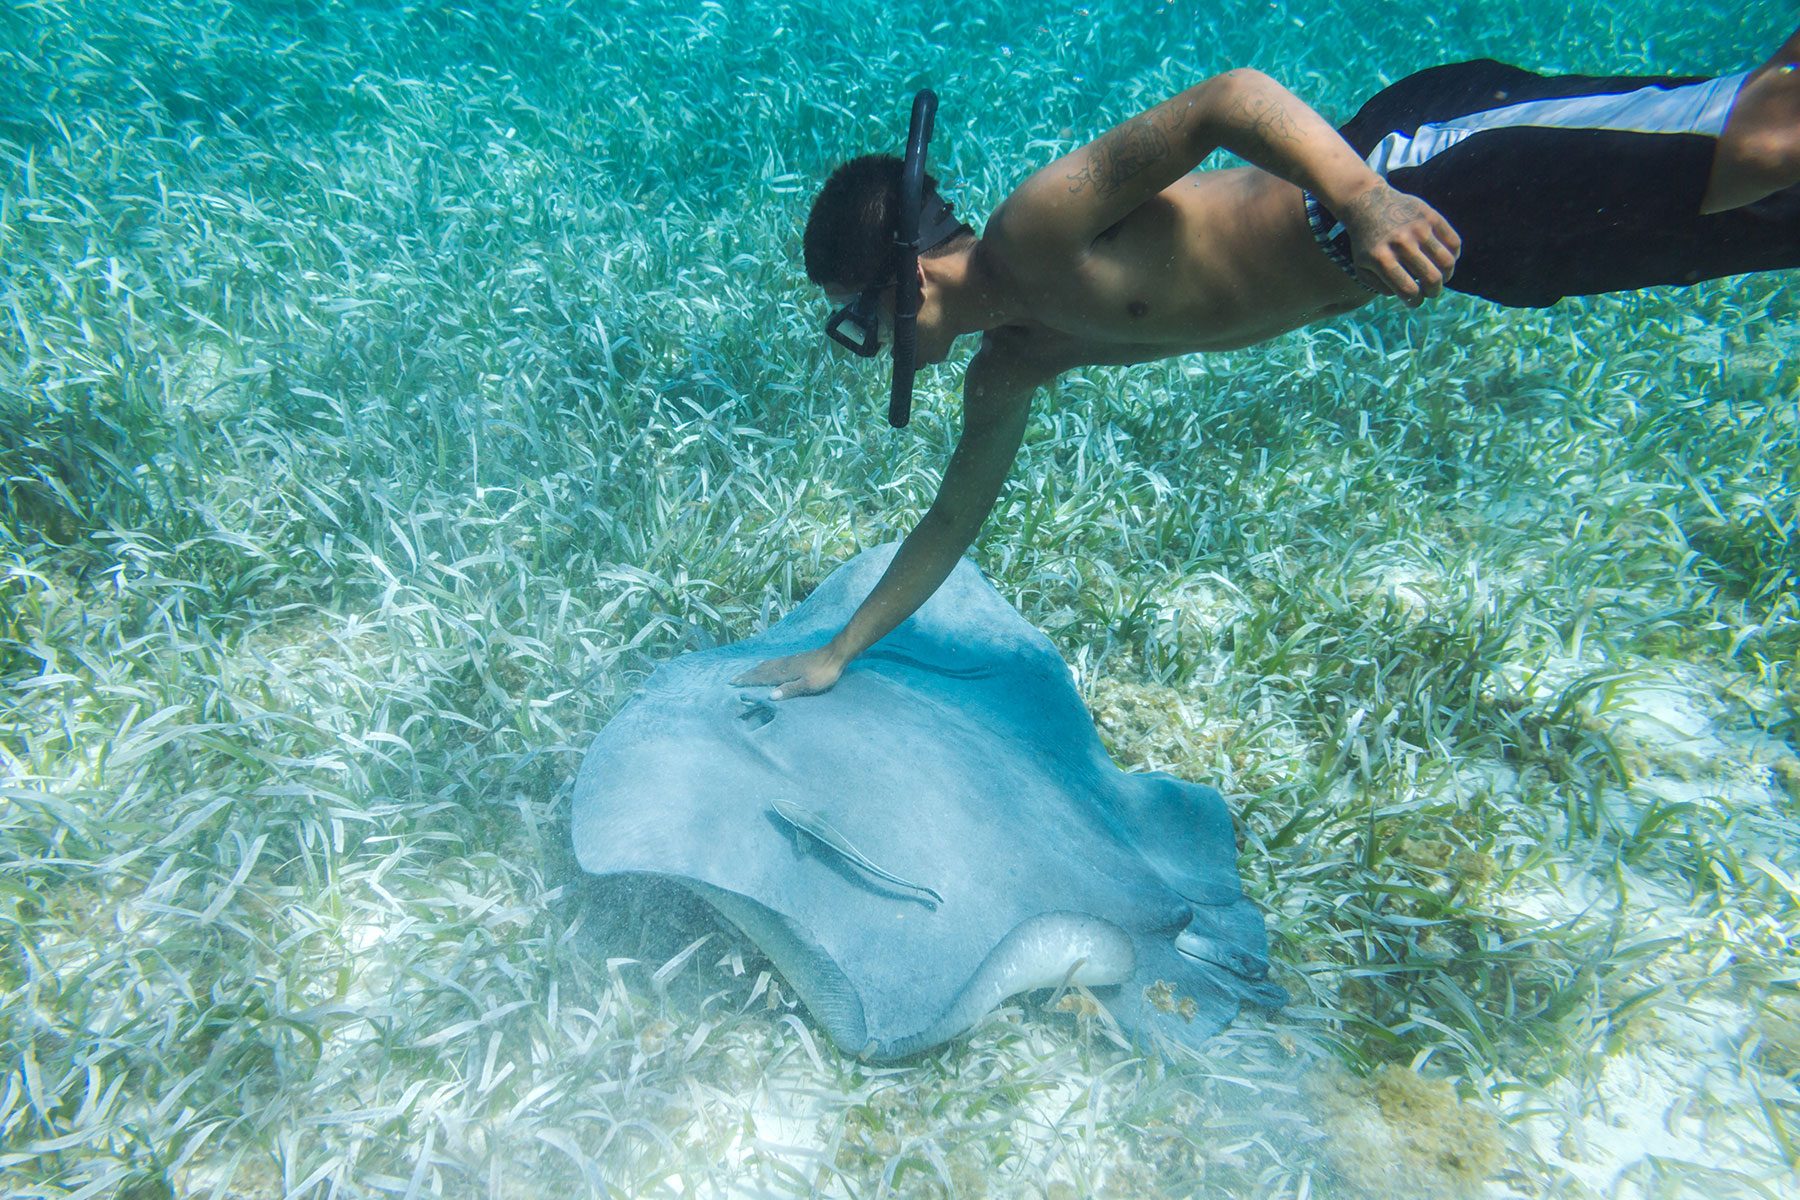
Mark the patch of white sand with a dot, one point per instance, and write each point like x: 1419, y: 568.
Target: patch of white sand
x: 1677, y: 1088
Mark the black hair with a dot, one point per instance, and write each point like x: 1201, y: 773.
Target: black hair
x: 849, y: 240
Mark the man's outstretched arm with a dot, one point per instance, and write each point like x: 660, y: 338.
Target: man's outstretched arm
x: 1401, y: 244
x: 996, y: 405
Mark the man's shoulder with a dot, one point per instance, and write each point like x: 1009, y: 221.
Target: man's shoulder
x: 1021, y: 352
x: 1019, y: 250
x: 1013, y: 343
x: 1032, y: 353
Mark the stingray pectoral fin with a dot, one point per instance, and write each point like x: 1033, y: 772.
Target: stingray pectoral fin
x: 887, y: 653
x: 815, y: 976
x: 820, y: 830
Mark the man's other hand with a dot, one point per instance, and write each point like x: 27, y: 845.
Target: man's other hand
x: 1400, y: 244
x: 805, y: 674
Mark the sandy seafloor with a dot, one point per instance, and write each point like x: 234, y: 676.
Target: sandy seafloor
x: 385, y: 389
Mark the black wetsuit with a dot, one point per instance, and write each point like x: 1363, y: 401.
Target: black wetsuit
x: 1566, y: 185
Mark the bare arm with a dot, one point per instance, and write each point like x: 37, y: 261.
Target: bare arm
x: 1402, y: 243
x: 996, y: 404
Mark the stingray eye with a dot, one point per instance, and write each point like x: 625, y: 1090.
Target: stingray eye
x: 757, y: 713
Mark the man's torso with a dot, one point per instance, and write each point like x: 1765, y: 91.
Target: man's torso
x: 1218, y: 260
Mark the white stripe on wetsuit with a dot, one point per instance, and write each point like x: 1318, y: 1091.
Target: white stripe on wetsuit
x: 1693, y: 108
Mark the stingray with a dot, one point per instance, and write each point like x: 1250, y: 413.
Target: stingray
x: 941, y: 830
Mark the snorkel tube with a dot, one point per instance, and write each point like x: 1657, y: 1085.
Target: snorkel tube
x: 906, y: 241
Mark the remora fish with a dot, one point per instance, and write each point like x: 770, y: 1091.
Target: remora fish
x: 819, y: 829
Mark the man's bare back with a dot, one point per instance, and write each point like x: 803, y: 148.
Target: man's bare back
x: 1116, y: 253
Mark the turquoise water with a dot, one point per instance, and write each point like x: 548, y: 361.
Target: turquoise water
x: 386, y: 389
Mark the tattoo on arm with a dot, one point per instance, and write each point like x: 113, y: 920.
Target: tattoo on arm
x: 1132, y: 148
x: 1120, y: 154
x: 1268, y: 120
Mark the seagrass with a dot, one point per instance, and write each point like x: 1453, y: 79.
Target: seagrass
x: 385, y: 390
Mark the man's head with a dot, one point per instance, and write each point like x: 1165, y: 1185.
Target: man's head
x: 849, y: 242
x: 851, y: 252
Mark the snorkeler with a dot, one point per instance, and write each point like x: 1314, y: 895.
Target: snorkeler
x: 1479, y: 176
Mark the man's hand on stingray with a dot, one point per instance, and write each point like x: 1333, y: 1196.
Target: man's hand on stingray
x: 805, y: 674
x: 1400, y: 244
